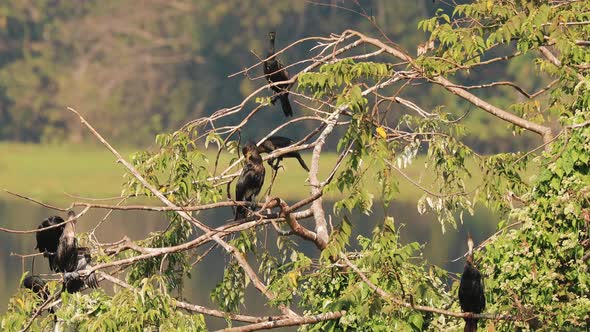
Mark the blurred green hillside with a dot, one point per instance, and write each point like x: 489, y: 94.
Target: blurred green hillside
x: 135, y: 69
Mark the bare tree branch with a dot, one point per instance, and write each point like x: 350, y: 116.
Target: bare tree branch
x: 544, y: 131
x: 36, y: 201
x: 303, y: 320
x: 230, y: 249
x: 197, y: 308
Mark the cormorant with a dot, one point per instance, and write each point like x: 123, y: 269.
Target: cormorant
x: 251, y: 179
x: 471, y: 290
x: 60, y: 247
x: 73, y: 281
x: 37, y: 285
x: 279, y: 142
x: 275, y: 72
x: 48, y: 240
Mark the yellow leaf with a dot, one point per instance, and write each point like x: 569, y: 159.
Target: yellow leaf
x: 293, y: 275
x: 381, y: 132
x: 489, y: 5
x: 21, y: 303
x: 491, y: 327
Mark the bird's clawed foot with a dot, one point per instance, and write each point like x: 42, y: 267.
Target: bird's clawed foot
x: 275, y: 164
x: 252, y: 206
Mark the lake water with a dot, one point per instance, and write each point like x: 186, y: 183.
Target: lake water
x: 439, y: 248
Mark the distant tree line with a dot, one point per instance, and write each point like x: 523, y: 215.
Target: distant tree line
x: 139, y: 70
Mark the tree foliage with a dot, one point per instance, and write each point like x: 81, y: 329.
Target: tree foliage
x: 535, y: 266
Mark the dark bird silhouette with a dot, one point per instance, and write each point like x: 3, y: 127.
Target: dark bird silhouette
x: 66, y: 255
x: 275, y: 72
x: 471, y: 290
x: 278, y: 142
x: 48, y: 240
x: 60, y: 247
x: 37, y: 285
x: 251, y: 179
x: 74, y: 283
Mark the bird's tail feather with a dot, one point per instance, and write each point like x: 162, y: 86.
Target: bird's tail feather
x: 240, y: 213
x: 470, y: 325
x: 302, y: 163
x: 286, y: 105
x: 91, y: 281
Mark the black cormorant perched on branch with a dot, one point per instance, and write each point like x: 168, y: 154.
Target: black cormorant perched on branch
x: 251, y: 179
x: 275, y: 72
x: 471, y: 290
x: 278, y: 142
x: 48, y: 240
x: 60, y: 247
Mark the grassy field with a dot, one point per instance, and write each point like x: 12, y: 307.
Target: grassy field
x: 51, y: 172
x: 48, y: 172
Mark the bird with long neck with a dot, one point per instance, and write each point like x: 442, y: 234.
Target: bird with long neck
x: 275, y: 72
x: 471, y: 289
x: 67, y: 248
x: 60, y: 246
x: 469, y: 259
